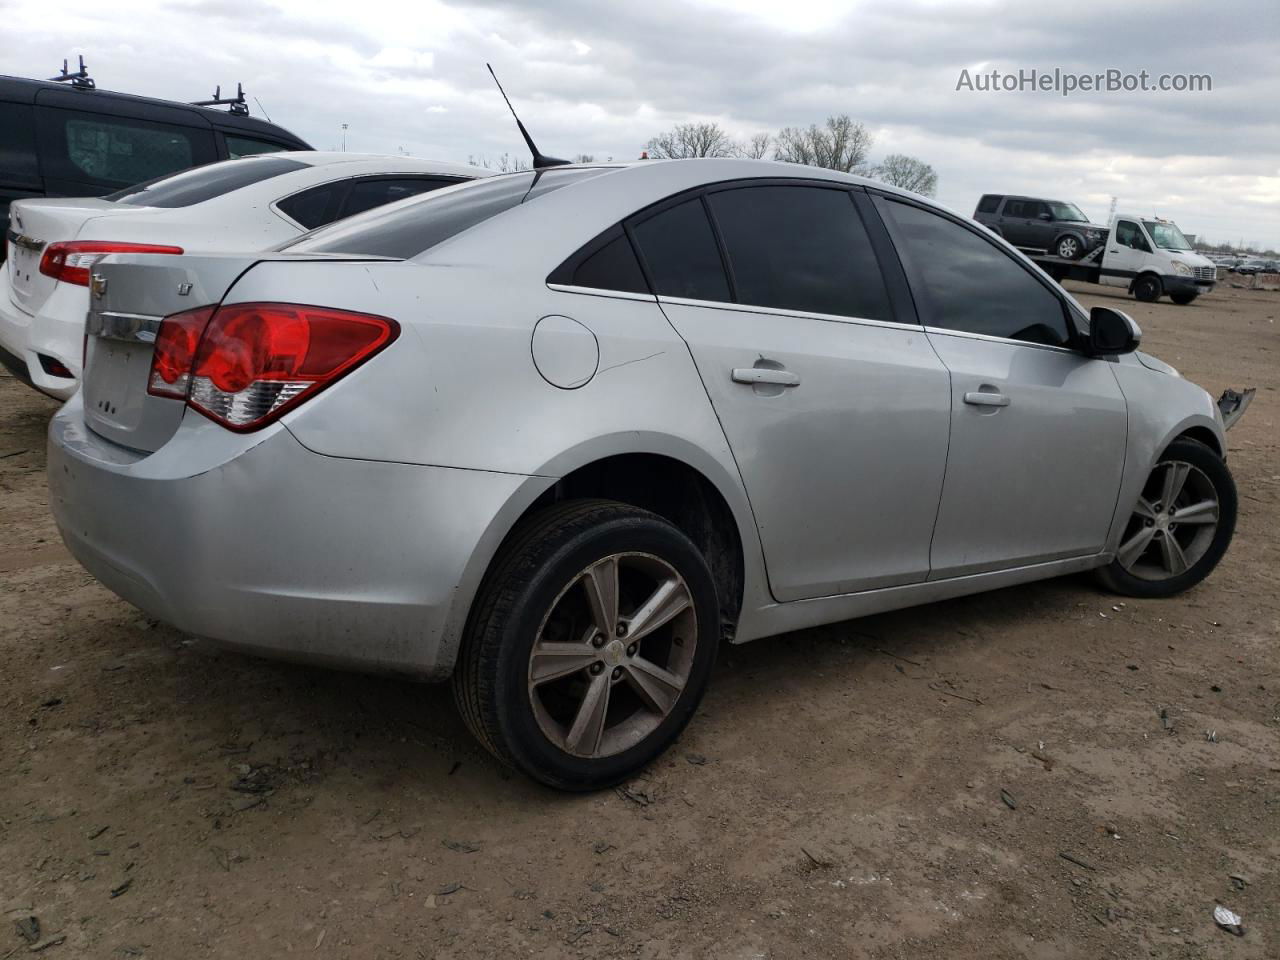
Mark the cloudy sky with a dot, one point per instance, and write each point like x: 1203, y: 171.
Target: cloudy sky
x: 601, y: 77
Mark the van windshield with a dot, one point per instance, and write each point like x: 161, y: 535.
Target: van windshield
x: 1166, y: 235
x: 1067, y: 211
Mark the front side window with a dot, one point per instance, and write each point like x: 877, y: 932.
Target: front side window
x: 205, y: 183
x: 681, y: 253
x: 411, y: 228
x: 800, y: 248
x: 1167, y: 235
x: 965, y: 283
x: 247, y: 146
x: 1129, y: 234
x: 1068, y: 212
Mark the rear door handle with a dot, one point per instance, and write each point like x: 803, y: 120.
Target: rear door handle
x: 783, y: 378
x: 981, y: 398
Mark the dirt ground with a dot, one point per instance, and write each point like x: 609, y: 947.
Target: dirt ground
x: 1021, y: 774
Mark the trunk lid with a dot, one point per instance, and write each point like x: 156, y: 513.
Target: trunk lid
x: 33, y: 225
x: 129, y: 295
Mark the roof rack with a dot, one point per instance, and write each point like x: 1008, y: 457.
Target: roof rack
x: 238, y: 105
x: 80, y: 79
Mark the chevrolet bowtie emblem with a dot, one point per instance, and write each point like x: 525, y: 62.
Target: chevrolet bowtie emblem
x: 98, y: 286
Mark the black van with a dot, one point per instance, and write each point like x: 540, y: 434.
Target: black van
x: 64, y: 141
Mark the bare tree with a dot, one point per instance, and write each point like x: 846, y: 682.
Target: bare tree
x: 757, y: 147
x: 909, y: 173
x: 504, y: 164
x: 691, y: 140
x: 841, y: 144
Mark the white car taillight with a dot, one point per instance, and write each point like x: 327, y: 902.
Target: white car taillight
x: 246, y: 364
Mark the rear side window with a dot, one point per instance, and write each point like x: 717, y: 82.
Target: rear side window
x: 205, y: 183
x: 681, y: 253
x: 315, y: 207
x: 989, y: 203
x: 18, y: 166
x: 118, y: 151
x: 962, y: 282
x: 800, y: 248
x: 408, y: 229
x: 607, y: 263
x: 367, y: 194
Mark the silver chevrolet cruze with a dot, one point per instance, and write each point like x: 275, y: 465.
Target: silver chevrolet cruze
x: 556, y: 434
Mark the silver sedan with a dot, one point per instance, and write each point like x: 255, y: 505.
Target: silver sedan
x: 557, y: 434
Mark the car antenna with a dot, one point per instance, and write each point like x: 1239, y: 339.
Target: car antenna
x: 80, y: 79
x: 540, y: 162
x: 238, y: 105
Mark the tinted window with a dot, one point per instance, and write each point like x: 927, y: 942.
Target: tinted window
x: 1014, y: 208
x: 681, y: 253
x: 613, y: 267
x: 205, y: 183
x: 1129, y: 234
x: 962, y: 282
x: 18, y: 166
x: 410, y: 228
x: 118, y: 151
x: 1036, y: 209
x: 988, y: 204
x: 315, y: 207
x: 367, y: 194
x: 247, y: 146
x: 800, y: 248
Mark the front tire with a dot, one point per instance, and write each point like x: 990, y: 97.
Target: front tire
x: 1181, y: 525
x: 590, y: 644
x: 1069, y: 248
x: 1148, y: 288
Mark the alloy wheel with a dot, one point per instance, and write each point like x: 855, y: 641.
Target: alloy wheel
x: 1173, y: 523
x: 612, y: 655
x: 1067, y: 248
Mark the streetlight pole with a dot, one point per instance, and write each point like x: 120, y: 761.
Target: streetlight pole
x: 344, y: 138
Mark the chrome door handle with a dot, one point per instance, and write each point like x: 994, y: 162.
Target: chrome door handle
x: 783, y: 378
x: 981, y: 399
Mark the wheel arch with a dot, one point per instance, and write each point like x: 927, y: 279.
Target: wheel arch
x: 1147, y: 272
x: 667, y: 475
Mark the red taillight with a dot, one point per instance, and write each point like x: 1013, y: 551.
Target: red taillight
x: 175, y: 352
x: 71, y: 261
x: 245, y: 364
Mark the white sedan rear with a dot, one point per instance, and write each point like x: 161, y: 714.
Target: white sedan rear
x: 251, y: 203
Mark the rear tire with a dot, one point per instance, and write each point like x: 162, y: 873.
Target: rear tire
x: 1180, y: 527
x: 1148, y: 288
x: 1182, y: 299
x: 538, y: 681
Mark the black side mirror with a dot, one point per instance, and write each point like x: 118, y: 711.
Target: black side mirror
x: 1112, y: 332
x: 1046, y: 216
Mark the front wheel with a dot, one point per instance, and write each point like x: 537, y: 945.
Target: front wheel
x: 1148, y: 288
x: 1182, y: 299
x: 590, y: 644
x: 1180, y: 527
x: 1069, y: 248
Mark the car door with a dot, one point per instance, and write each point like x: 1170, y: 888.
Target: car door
x: 1038, y: 430
x: 832, y: 401
x: 1040, y: 225
x: 1127, y: 253
x: 1014, y: 224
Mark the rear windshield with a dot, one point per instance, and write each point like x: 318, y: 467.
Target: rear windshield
x: 204, y: 183
x: 404, y: 230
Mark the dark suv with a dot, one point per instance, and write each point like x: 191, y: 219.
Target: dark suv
x: 1044, y: 226
x: 66, y: 141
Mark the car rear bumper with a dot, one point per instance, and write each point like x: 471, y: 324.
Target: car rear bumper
x: 27, y: 338
x: 255, y: 542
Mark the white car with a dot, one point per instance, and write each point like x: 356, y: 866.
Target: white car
x: 237, y: 205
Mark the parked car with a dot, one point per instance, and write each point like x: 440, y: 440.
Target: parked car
x: 78, y: 141
x: 248, y: 204
x: 1251, y: 266
x: 1050, y: 226
x: 1149, y: 257
x: 555, y: 434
